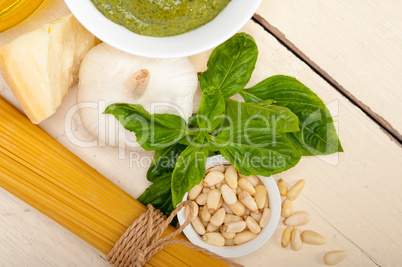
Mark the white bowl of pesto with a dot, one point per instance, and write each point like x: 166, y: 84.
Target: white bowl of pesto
x: 252, y: 245
x: 146, y: 17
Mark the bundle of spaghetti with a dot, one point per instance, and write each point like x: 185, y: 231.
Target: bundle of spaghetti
x: 40, y: 171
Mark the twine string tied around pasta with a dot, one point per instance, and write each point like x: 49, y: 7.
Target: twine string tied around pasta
x: 142, y: 239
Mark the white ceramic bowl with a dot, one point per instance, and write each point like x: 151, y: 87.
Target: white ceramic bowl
x: 226, y: 24
x: 263, y: 236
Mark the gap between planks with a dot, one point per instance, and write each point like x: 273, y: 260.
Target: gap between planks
x: 367, y: 254
x: 385, y: 126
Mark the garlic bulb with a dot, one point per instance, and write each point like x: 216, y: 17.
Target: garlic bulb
x: 108, y: 75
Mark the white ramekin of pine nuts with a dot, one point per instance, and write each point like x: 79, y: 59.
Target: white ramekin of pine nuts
x: 236, y: 214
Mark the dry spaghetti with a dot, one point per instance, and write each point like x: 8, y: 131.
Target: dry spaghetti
x: 43, y: 173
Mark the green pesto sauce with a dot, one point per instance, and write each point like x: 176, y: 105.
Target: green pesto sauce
x: 160, y: 17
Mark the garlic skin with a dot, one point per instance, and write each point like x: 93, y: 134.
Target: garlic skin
x: 108, y: 75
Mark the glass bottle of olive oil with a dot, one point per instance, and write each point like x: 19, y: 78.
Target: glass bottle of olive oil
x: 13, y: 12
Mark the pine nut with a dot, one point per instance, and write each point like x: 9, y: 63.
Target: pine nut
x: 266, y: 202
x: 295, y: 190
x: 220, y: 203
x: 283, y: 188
x: 266, y: 214
x: 211, y: 228
x: 253, y: 225
x: 205, y: 215
x: 234, y: 227
x: 218, y: 218
x: 243, y: 237
x: 192, y: 206
x: 296, y: 242
x: 241, y: 175
x: 216, y: 239
x: 253, y: 179
x: 261, y: 196
x: 297, y: 219
x: 206, y: 190
x: 232, y: 218
x: 228, y: 196
x: 286, y: 237
x: 256, y: 216
x: 245, y: 185
x: 238, y: 208
x: 213, y: 199
x: 227, y: 209
x: 195, y: 191
x: 231, y: 177
x: 219, y: 168
x: 213, y: 178
x: 312, y: 237
x: 198, y: 226
x: 202, y: 199
x: 248, y: 200
x: 227, y: 234
x: 286, y: 208
x: 334, y: 257
x: 248, y: 211
x: 238, y: 190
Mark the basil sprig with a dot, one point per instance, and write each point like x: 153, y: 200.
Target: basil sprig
x: 280, y: 120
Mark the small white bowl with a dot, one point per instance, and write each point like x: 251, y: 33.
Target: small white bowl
x: 226, y: 24
x: 251, y: 246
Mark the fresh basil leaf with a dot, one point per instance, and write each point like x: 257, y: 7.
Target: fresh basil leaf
x: 159, y: 194
x: 153, y: 132
x: 164, y: 161
x: 190, y: 169
x: 317, y: 135
x: 253, y: 148
x: 231, y: 64
x: 192, y: 121
x: 211, y: 111
x: 249, y: 97
x: 278, y: 118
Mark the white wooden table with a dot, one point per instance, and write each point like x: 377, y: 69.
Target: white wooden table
x: 349, y: 53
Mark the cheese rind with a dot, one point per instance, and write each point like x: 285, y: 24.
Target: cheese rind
x: 40, y: 66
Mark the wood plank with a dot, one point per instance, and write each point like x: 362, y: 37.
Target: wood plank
x: 355, y: 45
x: 346, y: 194
x: 341, y: 189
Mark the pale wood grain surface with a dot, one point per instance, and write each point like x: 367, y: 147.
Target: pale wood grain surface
x: 357, y: 43
x: 353, y: 197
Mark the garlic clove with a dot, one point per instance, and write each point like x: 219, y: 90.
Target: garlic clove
x: 108, y: 75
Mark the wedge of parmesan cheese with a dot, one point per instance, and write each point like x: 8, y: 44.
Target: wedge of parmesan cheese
x: 40, y: 66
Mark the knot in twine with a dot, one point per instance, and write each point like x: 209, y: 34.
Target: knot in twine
x: 141, y: 240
